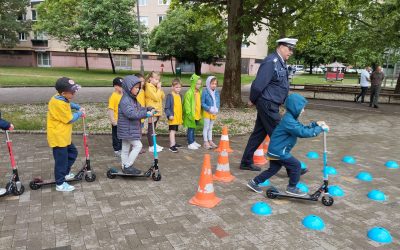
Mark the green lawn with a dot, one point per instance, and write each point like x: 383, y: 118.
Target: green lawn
x: 320, y: 79
x: 35, y: 76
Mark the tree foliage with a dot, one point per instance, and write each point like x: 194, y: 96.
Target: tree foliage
x: 10, y: 26
x: 189, y: 37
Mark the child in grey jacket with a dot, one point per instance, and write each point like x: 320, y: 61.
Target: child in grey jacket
x: 129, y: 129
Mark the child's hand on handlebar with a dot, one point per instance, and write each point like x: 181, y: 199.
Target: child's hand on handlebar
x: 11, y: 128
x: 325, y: 127
x: 320, y: 123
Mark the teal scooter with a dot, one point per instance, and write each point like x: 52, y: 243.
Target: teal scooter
x: 327, y: 199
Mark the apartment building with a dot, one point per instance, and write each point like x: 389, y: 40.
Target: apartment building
x: 36, y: 49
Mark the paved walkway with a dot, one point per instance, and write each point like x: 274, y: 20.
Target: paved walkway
x: 143, y: 214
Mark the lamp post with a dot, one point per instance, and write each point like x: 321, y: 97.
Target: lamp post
x: 140, y: 39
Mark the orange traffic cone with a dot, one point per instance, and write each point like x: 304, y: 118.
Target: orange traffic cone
x: 266, y: 144
x: 205, y: 196
x: 223, y: 172
x: 258, y: 157
x: 224, y: 142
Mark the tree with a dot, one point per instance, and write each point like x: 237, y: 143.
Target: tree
x: 110, y: 25
x: 189, y: 36
x: 61, y: 19
x: 12, y: 21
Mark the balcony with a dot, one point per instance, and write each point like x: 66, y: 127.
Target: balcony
x: 39, y: 43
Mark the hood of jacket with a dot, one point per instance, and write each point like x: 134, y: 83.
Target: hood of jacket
x: 128, y: 83
x: 295, y: 103
x: 193, y: 81
x: 208, y: 82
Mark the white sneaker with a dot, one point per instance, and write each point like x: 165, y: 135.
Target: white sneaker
x: 192, y: 146
x: 3, y: 191
x: 69, y: 176
x: 151, y: 150
x: 159, y: 147
x: 65, y: 187
x: 196, y: 144
x: 117, y: 153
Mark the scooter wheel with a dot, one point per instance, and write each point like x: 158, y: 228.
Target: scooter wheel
x: 91, y: 178
x: 110, y: 175
x: 327, y: 201
x: 33, y: 185
x: 156, y: 177
x: 18, y: 192
x: 271, y: 193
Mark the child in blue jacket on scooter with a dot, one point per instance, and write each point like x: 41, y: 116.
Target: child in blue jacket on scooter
x: 282, y: 141
x: 5, y: 125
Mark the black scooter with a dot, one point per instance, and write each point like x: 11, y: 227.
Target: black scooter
x: 86, y: 170
x: 327, y: 200
x: 14, y: 185
x: 153, y: 171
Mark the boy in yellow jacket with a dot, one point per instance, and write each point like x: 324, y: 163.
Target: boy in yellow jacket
x: 173, y: 111
x: 113, y: 103
x: 154, y: 96
x: 59, y: 131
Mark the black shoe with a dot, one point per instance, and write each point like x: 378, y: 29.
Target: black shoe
x: 250, y: 167
x: 178, y: 145
x: 173, y: 149
x: 376, y: 106
x: 131, y: 170
x: 370, y: 104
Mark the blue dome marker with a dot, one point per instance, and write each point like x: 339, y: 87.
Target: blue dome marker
x: 265, y: 183
x: 349, y: 159
x: 302, y: 186
x: 330, y: 170
x: 303, y: 165
x: 377, y: 195
x: 379, y: 234
x: 312, y: 155
x: 313, y: 222
x: 335, y: 191
x: 392, y: 164
x: 261, y: 208
x: 364, y: 176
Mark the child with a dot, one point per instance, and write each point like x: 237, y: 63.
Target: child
x: 140, y: 98
x: 192, y: 110
x: 173, y: 111
x: 210, y: 103
x: 129, y: 130
x: 59, y: 131
x: 113, y: 103
x: 5, y: 125
x: 154, y: 96
x: 283, y: 139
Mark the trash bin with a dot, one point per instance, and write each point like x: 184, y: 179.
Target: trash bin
x: 178, y: 72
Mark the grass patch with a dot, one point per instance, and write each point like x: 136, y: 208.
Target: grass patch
x: 42, y: 77
x: 320, y: 79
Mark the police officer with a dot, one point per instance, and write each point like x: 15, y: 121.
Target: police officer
x: 268, y: 91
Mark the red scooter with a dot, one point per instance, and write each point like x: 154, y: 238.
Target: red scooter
x: 14, y: 186
x: 84, y: 171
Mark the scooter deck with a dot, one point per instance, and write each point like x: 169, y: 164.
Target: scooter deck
x: 278, y: 193
x: 120, y: 173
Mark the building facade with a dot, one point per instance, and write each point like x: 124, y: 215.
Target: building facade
x: 36, y: 49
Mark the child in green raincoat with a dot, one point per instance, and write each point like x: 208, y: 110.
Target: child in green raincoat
x: 192, y: 110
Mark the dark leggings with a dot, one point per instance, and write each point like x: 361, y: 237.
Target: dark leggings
x: 150, y: 130
x: 291, y: 164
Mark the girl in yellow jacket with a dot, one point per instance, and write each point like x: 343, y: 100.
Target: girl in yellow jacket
x: 154, y: 96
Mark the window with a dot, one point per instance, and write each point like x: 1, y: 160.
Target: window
x: 23, y: 36
x: 160, y: 18
x: 43, y: 59
x: 164, y: 2
x: 38, y: 35
x: 122, y: 61
x: 144, y: 20
x: 142, y: 2
x: 34, y: 15
x: 22, y: 17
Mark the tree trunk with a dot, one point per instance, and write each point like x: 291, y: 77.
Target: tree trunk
x: 112, y: 61
x: 311, y: 66
x: 86, y: 59
x: 397, y: 89
x: 172, y: 67
x: 197, y: 67
x: 231, y: 89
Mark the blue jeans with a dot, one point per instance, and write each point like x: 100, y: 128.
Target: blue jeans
x: 292, y: 165
x: 64, y: 158
x: 190, y: 134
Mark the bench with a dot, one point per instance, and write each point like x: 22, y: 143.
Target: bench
x: 351, y: 90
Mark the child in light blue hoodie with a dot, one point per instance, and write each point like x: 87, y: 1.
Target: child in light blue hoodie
x: 210, y: 103
x: 282, y: 141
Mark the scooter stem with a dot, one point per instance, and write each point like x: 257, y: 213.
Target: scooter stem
x: 10, y: 151
x: 325, y: 158
x: 154, y: 138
